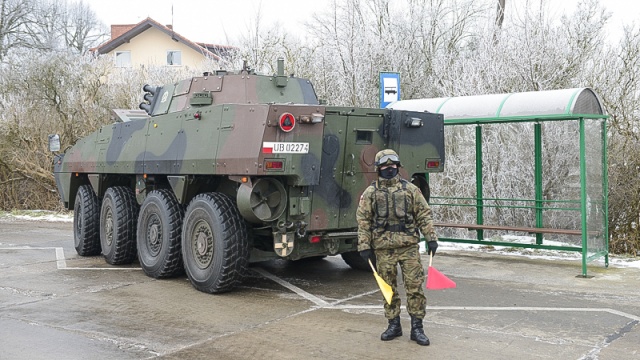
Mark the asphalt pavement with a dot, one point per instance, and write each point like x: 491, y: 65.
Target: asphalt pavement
x: 57, y: 305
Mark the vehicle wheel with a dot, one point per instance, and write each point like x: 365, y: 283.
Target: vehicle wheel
x: 159, y: 234
x: 118, y: 219
x: 421, y: 182
x: 86, y: 222
x: 353, y: 259
x: 215, y: 243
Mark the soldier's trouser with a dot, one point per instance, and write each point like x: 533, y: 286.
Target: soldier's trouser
x: 412, y: 275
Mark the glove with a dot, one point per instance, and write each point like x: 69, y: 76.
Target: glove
x: 432, y: 246
x: 369, y: 255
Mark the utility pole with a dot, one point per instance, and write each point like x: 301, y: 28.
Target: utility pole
x: 499, y: 20
x: 500, y: 13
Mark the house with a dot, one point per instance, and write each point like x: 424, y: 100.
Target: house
x: 151, y: 43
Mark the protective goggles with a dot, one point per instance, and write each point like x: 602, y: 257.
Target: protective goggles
x: 389, y: 159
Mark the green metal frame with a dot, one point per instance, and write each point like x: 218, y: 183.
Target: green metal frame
x: 480, y: 202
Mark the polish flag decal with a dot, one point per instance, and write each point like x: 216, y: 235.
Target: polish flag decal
x: 285, y: 147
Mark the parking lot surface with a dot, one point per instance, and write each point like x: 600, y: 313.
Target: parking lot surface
x: 57, y: 305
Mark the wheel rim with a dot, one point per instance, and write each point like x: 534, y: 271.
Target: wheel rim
x: 108, y: 226
x: 202, y: 244
x: 154, y: 234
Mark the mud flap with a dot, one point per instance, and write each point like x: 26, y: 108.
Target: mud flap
x: 283, y: 243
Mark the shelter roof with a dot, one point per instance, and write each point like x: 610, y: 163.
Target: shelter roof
x: 561, y: 103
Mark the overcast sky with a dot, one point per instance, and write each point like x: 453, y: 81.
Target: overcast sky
x: 209, y: 21
x: 213, y: 21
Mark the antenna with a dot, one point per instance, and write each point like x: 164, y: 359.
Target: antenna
x: 173, y: 37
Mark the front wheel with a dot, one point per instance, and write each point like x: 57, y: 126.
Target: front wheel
x: 215, y: 243
x: 86, y: 222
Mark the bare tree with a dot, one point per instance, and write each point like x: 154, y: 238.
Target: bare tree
x: 15, y: 18
x: 82, y: 29
x: 65, y: 25
x: 440, y: 47
x: 48, y: 25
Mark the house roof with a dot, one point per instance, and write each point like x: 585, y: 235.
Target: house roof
x: 124, y: 33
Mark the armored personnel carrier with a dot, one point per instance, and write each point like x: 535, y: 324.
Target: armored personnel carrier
x: 224, y: 169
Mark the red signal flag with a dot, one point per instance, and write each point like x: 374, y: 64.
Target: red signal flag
x: 437, y: 280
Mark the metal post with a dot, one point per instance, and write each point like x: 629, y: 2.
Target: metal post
x: 605, y: 191
x: 479, y: 200
x: 538, y: 179
x: 583, y: 197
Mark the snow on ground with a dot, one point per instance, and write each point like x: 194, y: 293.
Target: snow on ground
x: 38, y: 215
x: 614, y: 260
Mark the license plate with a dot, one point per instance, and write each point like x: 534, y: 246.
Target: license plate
x: 285, y: 148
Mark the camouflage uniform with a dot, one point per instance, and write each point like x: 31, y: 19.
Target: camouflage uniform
x: 389, y: 216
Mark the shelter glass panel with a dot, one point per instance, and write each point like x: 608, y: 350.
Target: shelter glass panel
x: 508, y: 180
x: 595, y: 186
x: 453, y: 192
x: 561, y: 179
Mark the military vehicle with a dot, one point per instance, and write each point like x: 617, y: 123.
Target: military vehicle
x: 225, y: 169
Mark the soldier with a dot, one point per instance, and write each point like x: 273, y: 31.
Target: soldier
x: 390, y: 213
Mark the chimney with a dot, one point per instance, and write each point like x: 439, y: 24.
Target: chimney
x: 118, y: 30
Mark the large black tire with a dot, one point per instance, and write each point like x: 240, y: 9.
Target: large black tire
x: 160, y: 235
x: 420, y: 180
x: 356, y: 261
x: 215, y: 243
x: 86, y: 222
x: 118, y: 218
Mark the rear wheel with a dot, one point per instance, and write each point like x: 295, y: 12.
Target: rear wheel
x: 353, y: 259
x: 420, y: 180
x: 215, y: 243
x: 118, y: 218
x: 159, y: 234
x: 86, y: 222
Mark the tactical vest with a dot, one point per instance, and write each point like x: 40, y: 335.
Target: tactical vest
x: 393, y: 210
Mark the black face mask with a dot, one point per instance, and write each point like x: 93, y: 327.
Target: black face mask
x: 388, y: 173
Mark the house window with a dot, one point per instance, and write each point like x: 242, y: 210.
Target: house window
x: 174, y: 57
x: 123, y: 58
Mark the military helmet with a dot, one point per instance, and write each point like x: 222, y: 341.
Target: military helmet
x: 386, y: 157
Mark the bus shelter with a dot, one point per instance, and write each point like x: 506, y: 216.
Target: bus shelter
x: 523, y: 170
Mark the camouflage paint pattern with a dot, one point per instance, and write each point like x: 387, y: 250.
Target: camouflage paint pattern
x: 408, y: 258
x: 213, y: 132
x: 393, y: 203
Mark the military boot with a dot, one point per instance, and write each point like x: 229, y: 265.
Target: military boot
x: 393, y: 331
x: 417, y: 334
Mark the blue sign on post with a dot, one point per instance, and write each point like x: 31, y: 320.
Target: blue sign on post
x: 389, y: 88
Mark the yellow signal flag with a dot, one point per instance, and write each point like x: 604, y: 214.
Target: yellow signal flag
x: 385, y: 288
